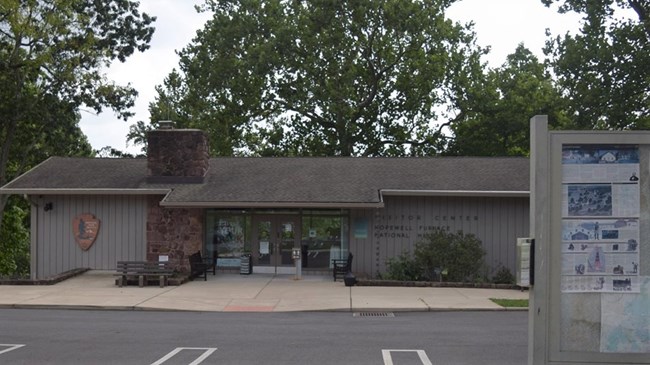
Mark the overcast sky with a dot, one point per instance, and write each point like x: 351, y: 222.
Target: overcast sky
x: 501, y: 24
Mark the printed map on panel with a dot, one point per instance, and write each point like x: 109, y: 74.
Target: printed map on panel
x: 625, y: 322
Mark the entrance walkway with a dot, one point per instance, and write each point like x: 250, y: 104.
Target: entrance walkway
x: 240, y: 293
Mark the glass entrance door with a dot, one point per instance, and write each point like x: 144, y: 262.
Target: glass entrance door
x: 274, y: 239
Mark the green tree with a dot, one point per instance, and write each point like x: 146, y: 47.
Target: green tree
x: 604, y: 71
x: 167, y: 106
x: 14, y: 240
x: 51, y: 57
x: 496, y: 112
x: 320, y: 77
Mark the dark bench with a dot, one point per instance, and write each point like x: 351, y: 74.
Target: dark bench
x: 200, y: 266
x: 342, y: 266
x: 143, y: 270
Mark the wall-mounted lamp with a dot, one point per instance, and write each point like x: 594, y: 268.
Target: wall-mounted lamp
x: 47, y: 207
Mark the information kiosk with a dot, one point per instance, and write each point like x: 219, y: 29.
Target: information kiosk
x: 590, y: 221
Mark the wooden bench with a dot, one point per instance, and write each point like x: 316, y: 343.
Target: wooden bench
x: 200, y: 266
x: 143, y: 270
x: 342, y: 266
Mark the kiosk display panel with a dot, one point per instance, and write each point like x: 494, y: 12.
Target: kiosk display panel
x: 590, y: 205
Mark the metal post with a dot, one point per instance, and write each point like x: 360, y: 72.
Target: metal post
x: 297, y: 258
x: 299, y: 268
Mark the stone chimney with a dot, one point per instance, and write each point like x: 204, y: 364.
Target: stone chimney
x: 176, y: 155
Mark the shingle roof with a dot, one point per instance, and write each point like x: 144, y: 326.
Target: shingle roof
x: 83, y: 173
x: 309, y: 180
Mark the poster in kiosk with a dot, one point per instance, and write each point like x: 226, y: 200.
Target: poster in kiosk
x: 590, y: 219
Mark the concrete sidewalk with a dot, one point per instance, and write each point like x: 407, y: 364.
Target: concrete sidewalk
x: 242, y: 293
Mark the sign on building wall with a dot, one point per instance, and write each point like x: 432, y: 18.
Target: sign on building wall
x: 496, y: 221
x: 85, y: 228
x: 360, y: 227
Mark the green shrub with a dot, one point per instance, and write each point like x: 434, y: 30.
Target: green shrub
x: 503, y: 276
x: 402, y: 268
x: 460, y: 255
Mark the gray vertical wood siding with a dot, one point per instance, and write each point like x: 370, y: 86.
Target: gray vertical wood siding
x: 122, y: 233
x: 496, y: 221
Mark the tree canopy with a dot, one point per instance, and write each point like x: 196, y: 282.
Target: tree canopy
x: 604, y: 71
x: 51, y: 59
x: 496, y: 113
x: 321, y: 77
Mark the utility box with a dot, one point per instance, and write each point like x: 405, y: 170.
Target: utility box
x: 524, y: 260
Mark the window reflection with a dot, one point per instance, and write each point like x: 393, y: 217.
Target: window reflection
x: 323, y: 238
x: 226, y: 239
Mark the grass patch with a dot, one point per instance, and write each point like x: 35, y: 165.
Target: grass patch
x: 511, y: 303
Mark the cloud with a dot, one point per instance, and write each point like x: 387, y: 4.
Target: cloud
x: 503, y: 24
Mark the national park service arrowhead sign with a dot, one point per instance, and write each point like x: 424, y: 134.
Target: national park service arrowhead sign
x: 85, y: 228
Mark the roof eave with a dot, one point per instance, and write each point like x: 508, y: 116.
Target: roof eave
x: 76, y: 191
x: 460, y: 193
x: 316, y: 205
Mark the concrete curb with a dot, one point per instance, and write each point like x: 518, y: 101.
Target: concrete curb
x: 353, y: 310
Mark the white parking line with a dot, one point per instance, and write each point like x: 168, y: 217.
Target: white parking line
x: 208, y: 351
x: 388, y: 359
x: 11, y: 347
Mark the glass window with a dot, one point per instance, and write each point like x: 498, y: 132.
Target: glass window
x: 324, y: 235
x: 227, y: 237
x: 323, y: 238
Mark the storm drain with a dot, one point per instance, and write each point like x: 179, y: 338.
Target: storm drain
x: 373, y: 314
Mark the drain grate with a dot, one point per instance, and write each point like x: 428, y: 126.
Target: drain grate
x: 373, y: 314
